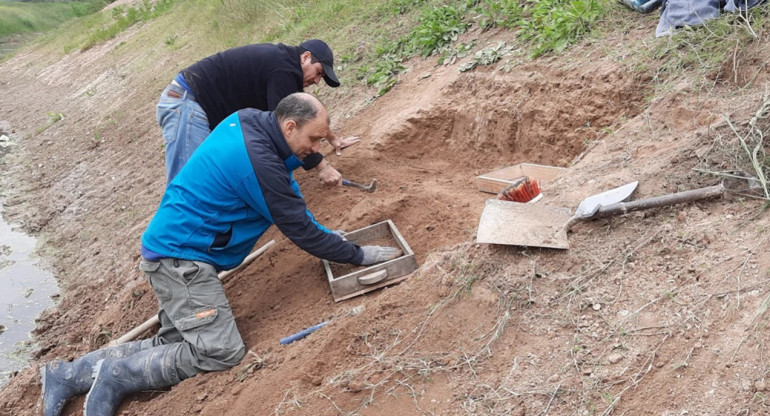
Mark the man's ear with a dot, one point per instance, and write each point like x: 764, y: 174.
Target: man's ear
x: 289, y: 126
x: 305, y: 57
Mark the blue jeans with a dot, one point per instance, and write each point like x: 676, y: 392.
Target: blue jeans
x: 184, y: 125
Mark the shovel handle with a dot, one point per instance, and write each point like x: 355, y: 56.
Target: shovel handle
x: 154, y: 320
x: 622, y: 208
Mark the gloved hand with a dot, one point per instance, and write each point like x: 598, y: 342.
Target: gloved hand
x: 378, y: 254
x: 341, y: 234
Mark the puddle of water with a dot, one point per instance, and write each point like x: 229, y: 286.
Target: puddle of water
x: 25, y: 291
x: 10, y: 43
x: 5, y: 143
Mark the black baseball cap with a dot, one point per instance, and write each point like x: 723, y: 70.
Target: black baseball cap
x: 323, y: 53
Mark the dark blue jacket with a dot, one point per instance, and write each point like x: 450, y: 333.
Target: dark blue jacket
x: 235, y: 185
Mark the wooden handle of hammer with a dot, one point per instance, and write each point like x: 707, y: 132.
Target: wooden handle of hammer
x: 132, y: 334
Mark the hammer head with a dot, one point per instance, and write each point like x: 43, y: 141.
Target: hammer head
x: 366, y: 188
x: 372, y: 186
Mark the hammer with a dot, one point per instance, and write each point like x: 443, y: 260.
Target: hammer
x: 371, y: 188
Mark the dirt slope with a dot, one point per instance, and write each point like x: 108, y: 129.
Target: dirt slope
x: 651, y: 313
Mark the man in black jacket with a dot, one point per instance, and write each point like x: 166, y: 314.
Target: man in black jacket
x: 251, y: 76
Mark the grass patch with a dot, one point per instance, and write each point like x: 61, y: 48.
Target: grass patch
x: 553, y: 25
x: 547, y: 26
x: 371, y: 39
x: 711, y: 52
x: 125, y: 17
x: 499, y: 13
x: 18, y: 17
x: 438, y: 28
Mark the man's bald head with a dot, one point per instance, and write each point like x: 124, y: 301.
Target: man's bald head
x: 304, y: 123
x: 300, y: 107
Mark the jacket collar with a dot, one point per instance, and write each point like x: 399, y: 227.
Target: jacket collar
x: 276, y: 135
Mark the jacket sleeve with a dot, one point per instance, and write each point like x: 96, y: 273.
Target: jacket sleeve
x: 289, y: 213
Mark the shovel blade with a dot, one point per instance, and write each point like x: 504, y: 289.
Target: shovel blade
x: 514, y: 223
x: 590, y: 205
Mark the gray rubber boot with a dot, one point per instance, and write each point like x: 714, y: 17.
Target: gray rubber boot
x: 62, y: 380
x: 114, y: 378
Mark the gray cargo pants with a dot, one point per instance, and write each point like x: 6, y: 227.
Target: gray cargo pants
x: 194, y: 312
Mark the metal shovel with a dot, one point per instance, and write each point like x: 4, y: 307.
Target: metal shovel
x: 520, y: 224
x: 737, y: 182
x: 590, y: 205
x: 514, y: 223
x: 622, y: 208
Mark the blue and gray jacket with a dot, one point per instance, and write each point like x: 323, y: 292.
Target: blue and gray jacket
x: 235, y: 185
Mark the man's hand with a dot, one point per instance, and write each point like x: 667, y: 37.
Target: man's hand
x: 341, y: 144
x: 328, y: 175
x: 378, y: 254
x: 349, y: 141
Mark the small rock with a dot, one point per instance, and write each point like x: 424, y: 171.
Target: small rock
x: 615, y: 358
x: 746, y: 385
x: 355, y: 385
x: 760, y: 385
x: 597, y: 306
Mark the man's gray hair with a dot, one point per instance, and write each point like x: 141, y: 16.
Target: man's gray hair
x: 299, y: 107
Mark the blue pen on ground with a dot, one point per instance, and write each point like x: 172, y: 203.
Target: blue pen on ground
x: 305, y: 332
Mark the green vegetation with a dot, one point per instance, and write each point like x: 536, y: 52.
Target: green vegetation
x: 125, y: 17
x: 499, y: 13
x: 53, y: 118
x: 487, y: 56
x: 25, y: 17
x: 438, y: 28
x: 552, y: 25
x: 541, y: 27
x: 709, y: 50
x: 372, y: 39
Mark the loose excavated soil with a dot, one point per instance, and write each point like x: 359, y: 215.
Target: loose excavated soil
x: 651, y: 313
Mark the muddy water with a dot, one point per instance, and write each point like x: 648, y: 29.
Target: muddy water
x: 26, y: 289
x: 11, y: 43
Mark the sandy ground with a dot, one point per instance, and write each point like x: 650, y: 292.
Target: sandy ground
x: 657, y: 312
